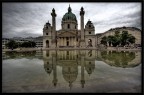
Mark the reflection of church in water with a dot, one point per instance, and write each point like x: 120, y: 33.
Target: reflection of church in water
x: 69, y: 61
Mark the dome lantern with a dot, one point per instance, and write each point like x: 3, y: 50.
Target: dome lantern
x: 69, y: 9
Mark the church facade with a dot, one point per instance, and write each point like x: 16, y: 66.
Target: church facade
x: 69, y: 35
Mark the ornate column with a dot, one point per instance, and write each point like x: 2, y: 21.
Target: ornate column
x: 53, y: 14
x: 65, y: 41
x: 82, y: 41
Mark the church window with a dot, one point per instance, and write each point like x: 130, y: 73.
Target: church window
x: 67, y: 38
x: 89, y: 32
x: 89, y: 25
x: 46, y: 33
x: 68, y: 26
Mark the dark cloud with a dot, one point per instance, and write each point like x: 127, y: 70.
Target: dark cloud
x: 28, y: 19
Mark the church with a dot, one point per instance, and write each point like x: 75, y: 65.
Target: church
x: 69, y: 36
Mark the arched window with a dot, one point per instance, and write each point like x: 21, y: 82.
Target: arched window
x: 89, y: 43
x: 47, y: 43
x: 68, y: 26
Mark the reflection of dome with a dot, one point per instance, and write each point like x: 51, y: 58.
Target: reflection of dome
x: 90, y: 66
x: 48, y: 67
x: 69, y: 15
x: 70, y: 72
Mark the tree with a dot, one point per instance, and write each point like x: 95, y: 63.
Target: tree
x: 118, y: 39
x: 28, y: 44
x: 127, y: 38
x: 124, y: 38
x: 104, y: 41
x: 131, y: 39
x: 12, y: 44
x: 33, y: 44
x: 110, y: 40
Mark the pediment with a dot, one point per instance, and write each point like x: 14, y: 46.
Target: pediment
x: 67, y: 34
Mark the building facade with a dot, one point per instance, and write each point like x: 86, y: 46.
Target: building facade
x: 69, y: 35
x: 37, y: 40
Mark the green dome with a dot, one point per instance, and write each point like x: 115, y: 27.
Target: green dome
x: 69, y: 15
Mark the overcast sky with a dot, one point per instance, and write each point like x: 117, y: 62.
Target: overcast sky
x: 28, y: 19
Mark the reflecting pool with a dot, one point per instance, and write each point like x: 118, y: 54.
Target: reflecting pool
x: 72, y: 71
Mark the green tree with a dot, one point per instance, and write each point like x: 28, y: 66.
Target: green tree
x: 104, y: 41
x: 118, y: 39
x: 28, y: 44
x: 131, y: 39
x: 12, y: 44
x: 124, y: 38
x: 110, y: 40
x: 33, y: 44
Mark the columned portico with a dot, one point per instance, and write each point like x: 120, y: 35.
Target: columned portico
x: 67, y: 42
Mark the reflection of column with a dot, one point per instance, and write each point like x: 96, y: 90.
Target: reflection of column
x: 54, y: 69
x: 82, y: 72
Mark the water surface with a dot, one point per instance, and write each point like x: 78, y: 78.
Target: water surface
x: 72, y: 71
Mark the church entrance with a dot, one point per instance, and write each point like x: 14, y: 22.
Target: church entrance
x: 47, y: 43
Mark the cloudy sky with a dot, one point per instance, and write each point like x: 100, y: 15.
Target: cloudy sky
x: 28, y: 19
